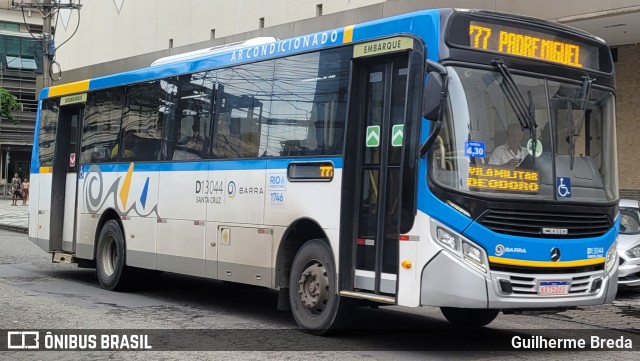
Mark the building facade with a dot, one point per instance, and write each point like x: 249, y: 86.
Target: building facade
x: 20, y: 65
x: 127, y: 34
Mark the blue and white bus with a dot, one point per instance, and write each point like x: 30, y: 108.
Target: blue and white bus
x: 458, y: 159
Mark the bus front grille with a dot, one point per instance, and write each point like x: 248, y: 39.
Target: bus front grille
x: 527, y: 285
x: 526, y: 223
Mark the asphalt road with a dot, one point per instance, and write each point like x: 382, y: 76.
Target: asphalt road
x: 36, y: 294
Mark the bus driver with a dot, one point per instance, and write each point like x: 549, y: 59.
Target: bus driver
x: 511, y: 153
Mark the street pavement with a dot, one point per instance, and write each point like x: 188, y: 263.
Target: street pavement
x: 36, y: 294
x: 14, y: 218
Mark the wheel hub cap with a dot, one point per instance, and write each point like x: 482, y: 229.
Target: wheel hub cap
x: 314, y: 288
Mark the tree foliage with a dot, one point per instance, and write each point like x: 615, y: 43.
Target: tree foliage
x: 8, y: 104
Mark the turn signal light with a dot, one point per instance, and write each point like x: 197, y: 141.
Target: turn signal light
x: 406, y: 264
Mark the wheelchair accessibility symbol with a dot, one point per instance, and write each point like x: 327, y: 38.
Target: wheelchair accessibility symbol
x: 563, y: 187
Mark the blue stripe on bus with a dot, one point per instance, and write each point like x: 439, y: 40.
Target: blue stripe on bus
x: 139, y: 75
x: 284, y: 163
x: 213, y: 165
x: 182, y: 166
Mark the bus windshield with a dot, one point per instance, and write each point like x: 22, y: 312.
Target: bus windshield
x: 567, y: 153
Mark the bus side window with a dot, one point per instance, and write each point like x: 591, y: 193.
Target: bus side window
x: 309, y: 104
x: 101, y: 131
x: 141, y: 124
x: 48, y: 126
x: 187, y: 116
x: 244, y: 101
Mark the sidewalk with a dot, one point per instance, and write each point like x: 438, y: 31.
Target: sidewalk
x: 13, y: 218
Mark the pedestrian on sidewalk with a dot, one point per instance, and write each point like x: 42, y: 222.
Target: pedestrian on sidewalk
x: 16, y: 184
x: 25, y: 191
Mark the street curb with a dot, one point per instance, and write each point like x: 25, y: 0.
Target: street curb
x: 10, y: 227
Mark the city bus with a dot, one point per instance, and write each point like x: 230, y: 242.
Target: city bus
x: 459, y: 159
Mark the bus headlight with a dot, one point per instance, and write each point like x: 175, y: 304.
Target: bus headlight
x: 456, y: 244
x: 446, y: 238
x: 474, y: 256
x: 612, y: 256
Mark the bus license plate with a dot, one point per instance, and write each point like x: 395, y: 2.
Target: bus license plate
x: 551, y: 288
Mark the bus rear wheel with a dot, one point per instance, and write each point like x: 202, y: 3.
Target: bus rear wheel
x: 314, y: 300
x: 469, y: 317
x: 110, y: 257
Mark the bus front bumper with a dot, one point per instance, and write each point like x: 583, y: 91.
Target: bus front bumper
x: 449, y: 282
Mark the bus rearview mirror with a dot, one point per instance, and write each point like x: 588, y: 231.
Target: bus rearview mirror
x: 431, y: 101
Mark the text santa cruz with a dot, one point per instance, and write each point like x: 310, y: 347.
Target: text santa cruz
x: 284, y: 46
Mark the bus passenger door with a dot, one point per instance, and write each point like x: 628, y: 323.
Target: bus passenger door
x: 65, y: 179
x: 372, y: 174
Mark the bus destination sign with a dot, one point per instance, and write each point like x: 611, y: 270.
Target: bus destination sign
x: 494, y: 178
x: 531, y: 44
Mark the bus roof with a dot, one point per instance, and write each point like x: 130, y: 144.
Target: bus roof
x: 424, y: 24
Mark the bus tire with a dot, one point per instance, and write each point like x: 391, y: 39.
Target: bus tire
x: 469, y: 317
x: 313, y: 295
x: 110, y: 257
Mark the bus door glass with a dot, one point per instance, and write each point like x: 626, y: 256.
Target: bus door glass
x: 40, y: 197
x: 379, y: 172
x: 65, y: 176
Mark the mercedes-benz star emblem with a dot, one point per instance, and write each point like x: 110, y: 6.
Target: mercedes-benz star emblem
x: 555, y: 254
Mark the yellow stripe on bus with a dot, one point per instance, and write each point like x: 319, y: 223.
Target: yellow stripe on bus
x: 46, y: 169
x: 348, y: 34
x: 124, y: 192
x: 518, y: 262
x: 77, y: 87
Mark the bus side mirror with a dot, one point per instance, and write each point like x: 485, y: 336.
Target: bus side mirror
x: 432, y: 96
x: 433, y: 101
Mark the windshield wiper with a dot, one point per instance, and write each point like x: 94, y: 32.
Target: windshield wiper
x: 571, y: 133
x: 533, y: 126
x: 574, y: 130
x: 524, y: 112
x: 585, y: 92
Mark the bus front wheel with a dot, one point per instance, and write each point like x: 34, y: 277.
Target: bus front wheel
x: 110, y: 257
x: 314, y: 300
x: 469, y: 317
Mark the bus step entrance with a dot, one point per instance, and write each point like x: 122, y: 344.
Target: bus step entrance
x: 369, y: 296
x: 61, y: 257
